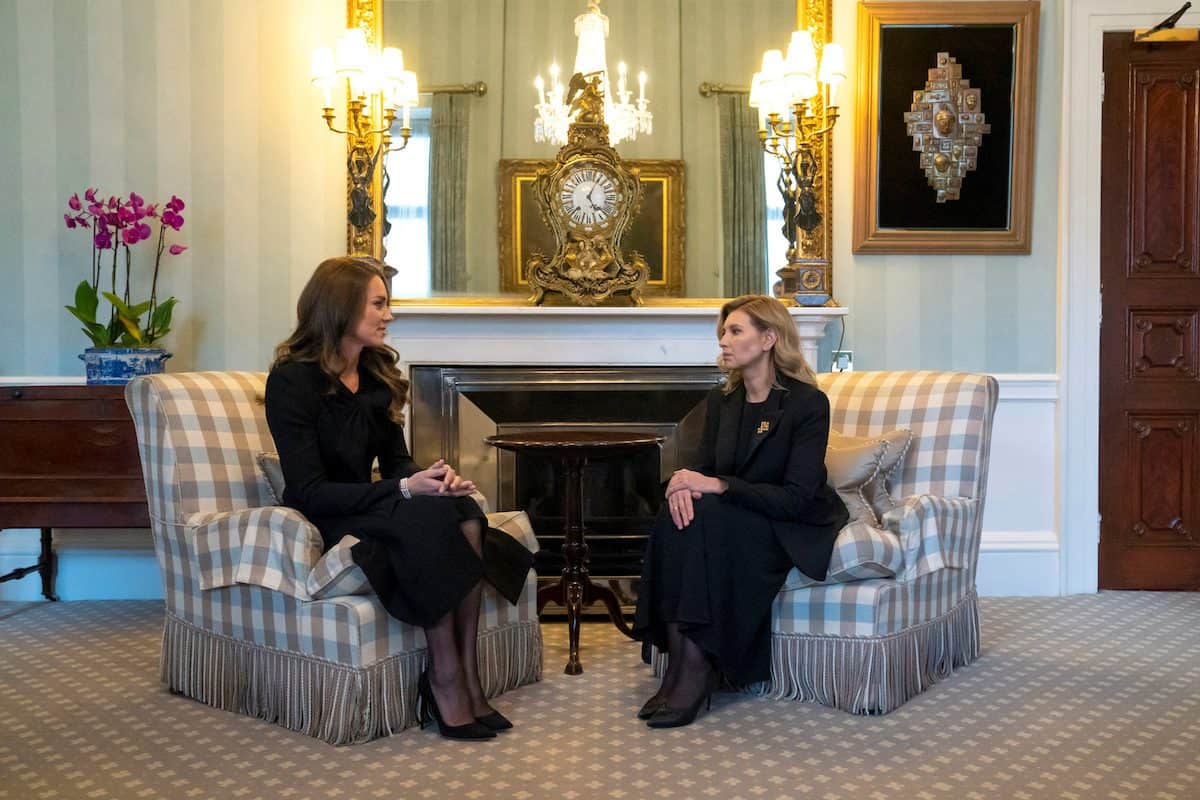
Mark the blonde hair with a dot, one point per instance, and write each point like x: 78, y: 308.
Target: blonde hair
x: 330, y: 304
x: 768, y: 314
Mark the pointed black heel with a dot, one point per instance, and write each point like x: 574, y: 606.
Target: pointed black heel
x: 494, y: 721
x: 427, y: 710
x: 667, y: 717
x: 652, y: 706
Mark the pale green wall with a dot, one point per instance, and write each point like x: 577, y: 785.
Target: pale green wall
x: 209, y: 99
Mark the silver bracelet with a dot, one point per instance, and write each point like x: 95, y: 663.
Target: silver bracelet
x: 404, y: 489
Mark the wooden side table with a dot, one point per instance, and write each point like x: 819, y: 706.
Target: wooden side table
x: 68, y: 459
x: 573, y: 449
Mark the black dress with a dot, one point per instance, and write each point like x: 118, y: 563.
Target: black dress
x: 412, y: 552
x: 718, y: 577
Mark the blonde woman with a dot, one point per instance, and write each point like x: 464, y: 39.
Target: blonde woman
x: 755, y: 505
x: 335, y: 403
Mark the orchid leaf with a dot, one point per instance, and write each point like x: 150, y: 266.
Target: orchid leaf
x: 132, y: 329
x: 160, y: 320
x: 86, y: 301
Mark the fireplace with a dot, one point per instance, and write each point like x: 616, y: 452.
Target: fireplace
x: 455, y: 407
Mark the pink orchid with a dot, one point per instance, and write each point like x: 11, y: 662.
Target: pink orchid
x: 74, y: 203
x: 95, y: 209
x: 70, y: 221
x: 175, y: 204
x: 90, y: 195
x: 103, y: 239
x: 176, y: 249
x: 172, y: 219
x: 135, y: 200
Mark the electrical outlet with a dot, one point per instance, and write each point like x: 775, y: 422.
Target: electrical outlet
x: 843, y: 361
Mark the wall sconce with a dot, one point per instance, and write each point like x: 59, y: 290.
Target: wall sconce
x: 377, y: 87
x: 797, y: 109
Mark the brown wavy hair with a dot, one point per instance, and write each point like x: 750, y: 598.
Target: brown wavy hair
x: 330, y: 304
x: 768, y: 314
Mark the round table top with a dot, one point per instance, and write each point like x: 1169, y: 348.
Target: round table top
x: 593, y: 441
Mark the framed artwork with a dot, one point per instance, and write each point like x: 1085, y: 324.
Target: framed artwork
x: 656, y: 231
x: 946, y: 99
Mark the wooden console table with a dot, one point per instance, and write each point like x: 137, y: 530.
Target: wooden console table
x: 68, y: 459
x: 573, y: 449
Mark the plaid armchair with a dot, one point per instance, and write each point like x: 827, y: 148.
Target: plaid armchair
x: 868, y: 646
x: 258, y: 620
x: 898, y: 609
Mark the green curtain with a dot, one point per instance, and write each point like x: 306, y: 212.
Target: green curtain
x: 743, y: 198
x: 449, y: 123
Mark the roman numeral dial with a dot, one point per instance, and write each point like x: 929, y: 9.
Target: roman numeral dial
x: 588, y: 198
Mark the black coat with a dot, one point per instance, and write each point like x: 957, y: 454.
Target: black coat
x: 782, y: 475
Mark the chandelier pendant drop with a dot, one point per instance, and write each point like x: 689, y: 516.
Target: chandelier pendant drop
x: 626, y: 117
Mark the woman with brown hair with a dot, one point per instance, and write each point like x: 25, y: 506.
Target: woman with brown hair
x: 756, y: 504
x: 335, y: 403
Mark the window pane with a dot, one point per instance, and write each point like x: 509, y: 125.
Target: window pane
x: 777, y: 243
x: 407, y: 243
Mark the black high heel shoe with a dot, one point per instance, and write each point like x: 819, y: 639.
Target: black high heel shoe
x: 667, y: 717
x: 494, y: 721
x: 652, y: 706
x: 427, y: 710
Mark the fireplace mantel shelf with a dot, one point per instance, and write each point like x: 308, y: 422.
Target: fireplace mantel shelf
x: 519, y: 334
x: 627, y: 312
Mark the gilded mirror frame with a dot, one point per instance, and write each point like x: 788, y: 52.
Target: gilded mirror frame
x: 368, y: 15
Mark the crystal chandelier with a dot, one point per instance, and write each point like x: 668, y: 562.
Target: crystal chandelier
x: 625, y: 116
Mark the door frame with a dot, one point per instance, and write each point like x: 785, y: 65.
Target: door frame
x: 1085, y: 23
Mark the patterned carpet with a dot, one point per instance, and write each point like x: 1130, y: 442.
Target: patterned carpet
x: 1076, y: 697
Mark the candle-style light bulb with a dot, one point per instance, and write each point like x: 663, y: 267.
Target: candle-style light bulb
x: 540, y: 85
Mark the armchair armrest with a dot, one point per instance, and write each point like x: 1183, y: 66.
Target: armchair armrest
x: 935, y: 532
x: 274, y: 547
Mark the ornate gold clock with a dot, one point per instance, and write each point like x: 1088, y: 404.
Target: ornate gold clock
x: 587, y: 198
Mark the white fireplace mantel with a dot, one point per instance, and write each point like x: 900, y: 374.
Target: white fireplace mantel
x: 564, y: 335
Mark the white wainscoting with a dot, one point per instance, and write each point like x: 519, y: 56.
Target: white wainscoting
x: 1019, y: 554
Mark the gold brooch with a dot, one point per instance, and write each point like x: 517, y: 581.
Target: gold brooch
x: 763, y: 427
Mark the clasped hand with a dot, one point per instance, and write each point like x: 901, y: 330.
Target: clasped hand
x: 439, y: 478
x: 686, y: 486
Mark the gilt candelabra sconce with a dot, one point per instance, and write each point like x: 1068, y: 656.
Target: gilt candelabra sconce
x: 796, y: 98
x: 378, y: 87
x: 947, y: 125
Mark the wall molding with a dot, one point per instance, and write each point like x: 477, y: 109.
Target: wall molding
x: 1020, y: 551
x: 1079, y: 280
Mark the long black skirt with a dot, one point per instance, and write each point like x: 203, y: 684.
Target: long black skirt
x: 417, y: 560
x: 717, y: 579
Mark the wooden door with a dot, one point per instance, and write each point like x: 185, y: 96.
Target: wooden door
x: 1150, y: 328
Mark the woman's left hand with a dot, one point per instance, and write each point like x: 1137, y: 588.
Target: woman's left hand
x: 697, y: 483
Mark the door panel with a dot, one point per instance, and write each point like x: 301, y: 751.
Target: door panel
x: 1150, y: 333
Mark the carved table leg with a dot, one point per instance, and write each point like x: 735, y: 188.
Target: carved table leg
x: 47, y: 565
x: 576, y: 552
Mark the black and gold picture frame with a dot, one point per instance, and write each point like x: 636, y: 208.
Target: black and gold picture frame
x: 656, y: 232
x: 945, y: 127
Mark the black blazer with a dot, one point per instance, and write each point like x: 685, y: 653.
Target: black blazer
x: 782, y: 475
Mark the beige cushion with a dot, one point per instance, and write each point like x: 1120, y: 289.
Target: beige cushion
x: 878, y: 492
x: 851, y: 466
x: 271, y: 471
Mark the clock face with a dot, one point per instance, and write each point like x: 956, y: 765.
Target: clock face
x: 588, y: 197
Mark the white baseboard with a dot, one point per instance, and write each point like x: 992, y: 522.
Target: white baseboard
x: 92, y: 564
x: 1018, y: 563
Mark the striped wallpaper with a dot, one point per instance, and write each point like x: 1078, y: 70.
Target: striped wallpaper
x: 206, y: 99
x: 209, y: 99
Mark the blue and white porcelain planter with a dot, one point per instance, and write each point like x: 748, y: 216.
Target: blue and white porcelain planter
x: 116, y: 366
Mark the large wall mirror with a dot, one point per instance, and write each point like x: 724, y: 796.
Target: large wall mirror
x: 505, y: 44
